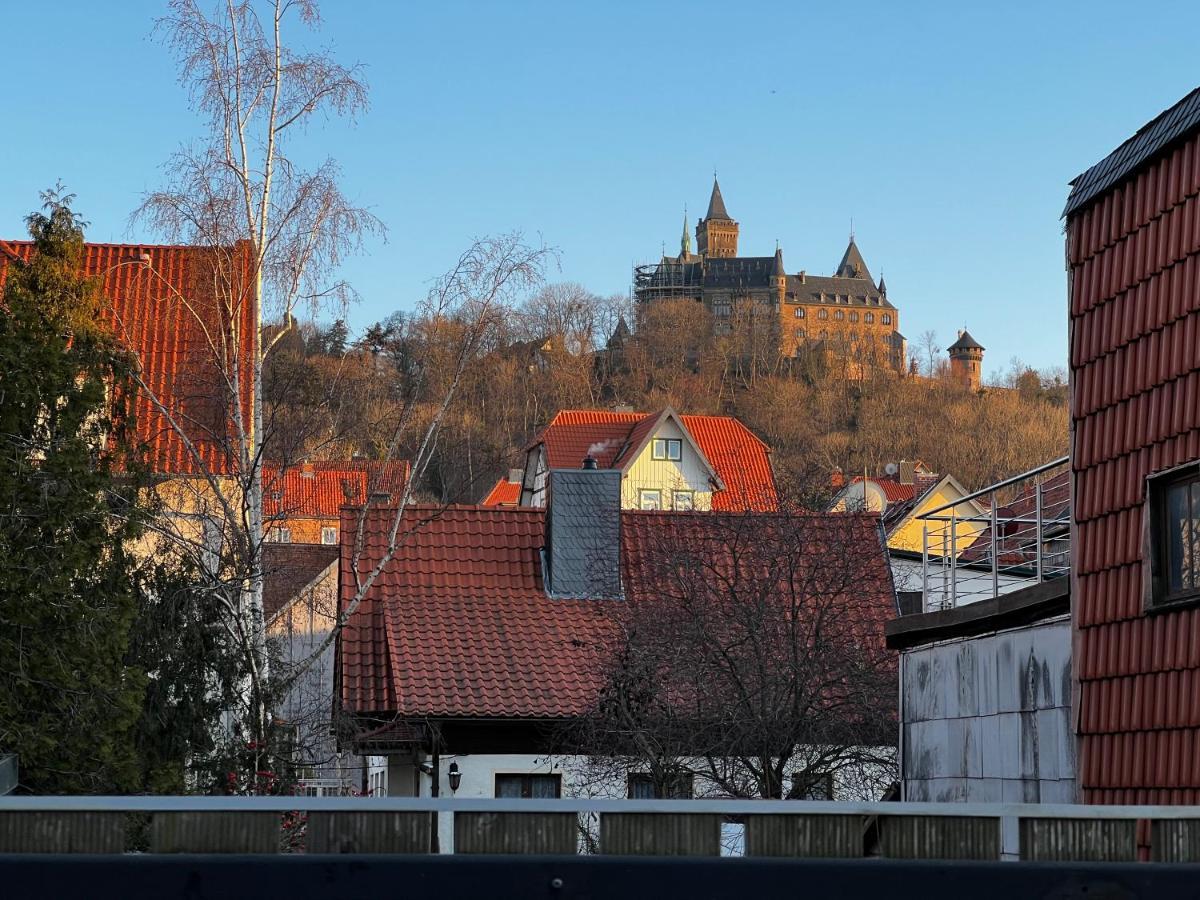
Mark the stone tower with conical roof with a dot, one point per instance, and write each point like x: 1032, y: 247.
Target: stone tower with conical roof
x: 717, y: 233
x: 966, y: 359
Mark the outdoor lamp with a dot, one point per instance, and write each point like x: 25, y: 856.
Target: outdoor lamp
x: 455, y: 777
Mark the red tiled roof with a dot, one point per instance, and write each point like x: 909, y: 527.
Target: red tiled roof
x: 288, y: 569
x: 458, y: 624
x: 319, y: 490
x: 1134, y: 257
x: 503, y: 493
x: 739, y: 458
x: 166, y: 312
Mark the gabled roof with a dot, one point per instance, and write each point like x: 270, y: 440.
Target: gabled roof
x: 459, y: 624
x: 716, y: 204
x: 852, y: 265
x: 289, y: 570
x: 319, y: 490
x: 164, y: 307
x: 738, y: 458
x: 503, y: 493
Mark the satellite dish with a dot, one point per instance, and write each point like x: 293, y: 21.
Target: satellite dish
x: 891, y: 468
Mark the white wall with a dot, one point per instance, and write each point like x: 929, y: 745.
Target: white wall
x: 988, y: 718
x: 971, y: 585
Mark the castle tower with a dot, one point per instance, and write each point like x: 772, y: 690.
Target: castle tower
x: 779, y: 277
x: 717, y: 233
x: 966, y: 359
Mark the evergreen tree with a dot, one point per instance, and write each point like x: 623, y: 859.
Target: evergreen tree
x: 68, y: 517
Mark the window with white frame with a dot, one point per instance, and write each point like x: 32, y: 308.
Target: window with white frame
x: 666, y: 448
x: 280, y: 535
x: 799, y: 312
x: 649, y: 499
x: 822, y: 314
x: 683, y: 500
x: 870, y: 317
x: 328, y: 535
x: 887, y: 319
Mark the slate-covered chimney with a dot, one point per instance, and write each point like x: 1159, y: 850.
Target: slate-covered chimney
x: 583, y: 534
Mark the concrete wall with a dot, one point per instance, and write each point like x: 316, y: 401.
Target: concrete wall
x: 987, y: 719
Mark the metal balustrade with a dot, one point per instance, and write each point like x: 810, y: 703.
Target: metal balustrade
x: 999, y: 539
x: 783, y: 828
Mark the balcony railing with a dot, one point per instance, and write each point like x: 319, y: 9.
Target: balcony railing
x: 1002, y: 538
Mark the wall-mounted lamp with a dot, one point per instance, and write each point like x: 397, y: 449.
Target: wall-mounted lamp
x: 455, y: 777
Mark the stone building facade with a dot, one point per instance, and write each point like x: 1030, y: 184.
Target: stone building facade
x: 844, y: 316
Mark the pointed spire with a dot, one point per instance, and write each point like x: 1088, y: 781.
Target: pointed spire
x: 779, y: 270
x: 882, y: 284
x: 852, y: 265
x: 685, y: 243
x: 716, y: 203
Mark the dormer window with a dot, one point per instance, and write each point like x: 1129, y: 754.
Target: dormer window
x: 666, y: 448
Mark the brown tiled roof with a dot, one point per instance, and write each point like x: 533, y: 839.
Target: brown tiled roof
x: 290, y: 568
x: 738, y: 457
x: 459, y: 623
x: 167, y: 312
x: 1133, y: 248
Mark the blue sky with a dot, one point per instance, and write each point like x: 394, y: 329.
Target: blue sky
x: 947, y: 131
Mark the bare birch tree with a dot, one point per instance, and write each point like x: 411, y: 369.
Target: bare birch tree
x: 270, y: 235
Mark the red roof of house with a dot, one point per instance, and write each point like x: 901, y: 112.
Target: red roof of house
x: 503, y: 493
x: 167, y: 313
x: 459, y: 624
x: 318, y: 490
x: 739, y: 458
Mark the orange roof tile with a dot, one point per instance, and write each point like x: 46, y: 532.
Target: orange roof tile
x: 319, y: 490
x: 166, y: 312
x: 739, y: 458
x: 503, y: 493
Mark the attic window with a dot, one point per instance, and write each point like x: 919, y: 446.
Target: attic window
x: 649, y: 499
x: 666, y: 448
x: 684, y: 500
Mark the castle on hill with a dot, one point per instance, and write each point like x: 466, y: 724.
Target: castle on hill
x: 845, y: 316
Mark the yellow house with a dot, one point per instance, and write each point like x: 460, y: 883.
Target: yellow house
x: 668, y: 461
x: 909, y: 490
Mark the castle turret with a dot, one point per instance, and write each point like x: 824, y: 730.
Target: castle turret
x: 966, y: 359
x: 717, y: 233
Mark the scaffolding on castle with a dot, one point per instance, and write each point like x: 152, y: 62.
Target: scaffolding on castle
x: 667, y: 280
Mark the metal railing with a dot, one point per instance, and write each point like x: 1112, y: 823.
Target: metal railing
x: 999, y: 539
x: 782, y: 828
